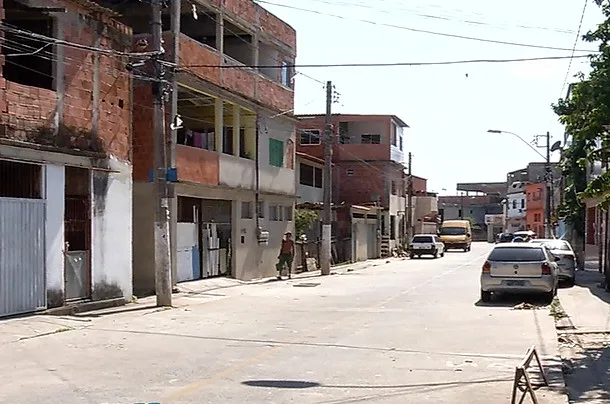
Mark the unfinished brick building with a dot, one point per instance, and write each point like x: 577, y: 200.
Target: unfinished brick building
x: 65, y: 151
x: 235, y: 155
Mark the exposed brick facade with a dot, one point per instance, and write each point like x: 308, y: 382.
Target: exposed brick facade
x: 420, y: 185
x: 361, y: 172
x: 358, y: 182
x: 535, y: 207
x: 27, y: 113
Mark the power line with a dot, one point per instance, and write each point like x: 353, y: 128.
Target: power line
x: 391, y: 64
x: 423, y: 31
x: 470, y: 22
x: 582, y: 17
x: 43, y: 38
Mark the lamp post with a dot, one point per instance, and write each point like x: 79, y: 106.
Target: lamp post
x: 547, y: 179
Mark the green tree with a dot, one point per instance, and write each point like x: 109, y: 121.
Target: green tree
x: 303, y: 219
x: 585, y: 115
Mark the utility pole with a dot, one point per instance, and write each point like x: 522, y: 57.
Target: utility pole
x: 176, y: 13
x: 162, y: 254
x: 325, y: 258
x: 409, y: 201
x: 548, y: 179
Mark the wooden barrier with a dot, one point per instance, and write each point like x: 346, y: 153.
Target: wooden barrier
x: 522, y: 382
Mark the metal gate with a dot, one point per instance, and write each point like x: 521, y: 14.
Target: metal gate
x: 22, y: 256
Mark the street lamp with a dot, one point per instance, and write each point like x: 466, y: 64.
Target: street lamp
x: 547, y: 181
x: 518, y: 137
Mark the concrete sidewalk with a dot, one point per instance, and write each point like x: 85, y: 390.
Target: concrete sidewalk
x: 584, y: 336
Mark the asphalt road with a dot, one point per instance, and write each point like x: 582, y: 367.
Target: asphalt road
x: 410, y: 331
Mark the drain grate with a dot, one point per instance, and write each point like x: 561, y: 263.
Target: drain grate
x: 306, y: 285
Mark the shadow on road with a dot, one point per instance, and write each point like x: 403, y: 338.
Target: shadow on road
x: 301, y: 384
x: 512, y: 300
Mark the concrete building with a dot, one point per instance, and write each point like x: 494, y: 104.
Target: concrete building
x: 368, y: 153
x: 516, y: 207
x: 472, y: 207
x: 425, y: 213
x: 535, y: 196
x: 235, y: 154
x: 65, y: 156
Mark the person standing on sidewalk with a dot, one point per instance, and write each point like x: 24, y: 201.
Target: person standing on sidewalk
x: 286, y: 255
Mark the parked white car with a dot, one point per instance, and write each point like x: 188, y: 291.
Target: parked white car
x: 426, y: 244
x: 567, y: 264
x: 520, y: 268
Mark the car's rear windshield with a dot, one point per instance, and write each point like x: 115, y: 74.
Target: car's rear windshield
x: 422, y: 239
x: 517, y: 254
x: 453, y: 231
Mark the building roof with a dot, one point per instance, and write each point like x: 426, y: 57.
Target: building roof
x: 394, y: 117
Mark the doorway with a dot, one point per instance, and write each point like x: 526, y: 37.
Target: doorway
x: 77, y: 234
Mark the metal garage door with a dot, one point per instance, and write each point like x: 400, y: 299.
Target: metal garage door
x: 22, y: 257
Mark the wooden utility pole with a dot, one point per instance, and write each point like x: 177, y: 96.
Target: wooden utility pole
x: 162, y: 254
x: 325, y: 258
x: 410, y: 201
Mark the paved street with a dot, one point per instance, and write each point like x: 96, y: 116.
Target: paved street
x: 405, y: 332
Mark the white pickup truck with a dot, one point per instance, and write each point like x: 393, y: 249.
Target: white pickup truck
x: 426, y: 244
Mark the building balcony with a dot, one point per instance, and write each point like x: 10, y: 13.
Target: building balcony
x: 203, y: 61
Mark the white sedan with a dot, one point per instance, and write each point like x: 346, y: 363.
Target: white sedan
x: 426, y: 244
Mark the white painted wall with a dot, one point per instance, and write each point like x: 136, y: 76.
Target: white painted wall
x: 111, y: 249
x: 236, y: 172
x: 515, y: 199
x: 54, y: 185
x: 277, y: 179
x: 254, y: 260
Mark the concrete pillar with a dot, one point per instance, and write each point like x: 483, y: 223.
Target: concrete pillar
x: 218, y: 124
x: 236, y: 128
x: 220, y: 30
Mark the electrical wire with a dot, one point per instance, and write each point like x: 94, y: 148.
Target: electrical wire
x: 423, y: 31
x: 439, y: 17
x: 390, y: 64
x: 582, y: 17
x: 111, y: 52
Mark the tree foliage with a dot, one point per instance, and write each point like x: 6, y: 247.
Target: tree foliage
x: 303, y: 219
x: 586, y: 116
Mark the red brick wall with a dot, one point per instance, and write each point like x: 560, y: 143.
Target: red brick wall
x: 197, y: 165
x: 368, y: 179
x: 420, y: 185
x: 26, y: 110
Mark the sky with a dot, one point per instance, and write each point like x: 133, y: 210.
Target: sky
x: 449, y: 108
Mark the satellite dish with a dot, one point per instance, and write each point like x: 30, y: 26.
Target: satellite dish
x: 556, y: 146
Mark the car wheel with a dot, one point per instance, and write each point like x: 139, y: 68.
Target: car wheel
x: 411, y: 256
x: 485, y: 296
x: 571, y: 282
x: 435, y: 254
x: 442, y: 254
x: 549, y: 296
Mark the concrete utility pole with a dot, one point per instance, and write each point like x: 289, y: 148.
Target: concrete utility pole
x: 163, y: 276
x: 325, y: 257
x: 176, y: 14
x: 548, y: 179
x: 409, y: 201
